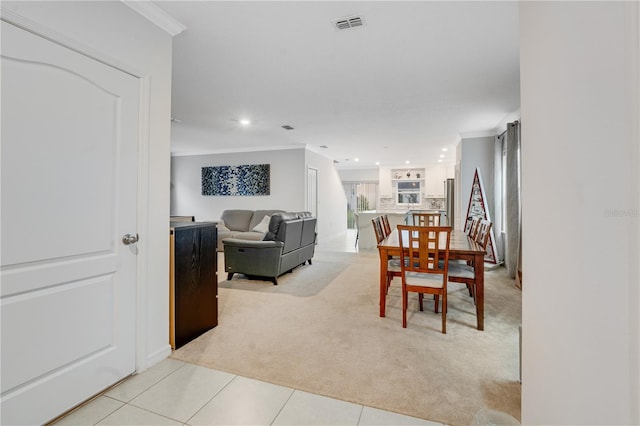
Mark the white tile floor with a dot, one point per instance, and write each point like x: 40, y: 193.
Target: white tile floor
x: 343, y: 243
x: 177, y: 393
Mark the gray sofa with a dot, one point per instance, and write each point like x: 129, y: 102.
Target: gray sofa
x: 289, y: 242
x: 239, y: 224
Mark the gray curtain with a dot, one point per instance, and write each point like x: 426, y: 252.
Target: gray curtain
x: 513, y: 226
x: 498, y: 198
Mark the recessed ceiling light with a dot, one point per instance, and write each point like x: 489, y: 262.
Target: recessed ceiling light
x: 445, y: 149
x: 407, y: 162
x: 439, y: 161
x: 245, y: 122
x: 356, y: 159
x: 441, y: 155
x: 377, y: 163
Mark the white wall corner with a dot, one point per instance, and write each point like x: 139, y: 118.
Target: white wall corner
x: 509, y: 118
x: 319, y: 151
x: 156, y: 15
x: 156, y: 357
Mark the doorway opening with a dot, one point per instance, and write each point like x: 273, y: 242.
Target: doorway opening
x: 361, y: 196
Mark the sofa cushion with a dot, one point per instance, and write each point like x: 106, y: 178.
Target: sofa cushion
x: 274, y: 224
x: 258, y: 215
x: 243, y: 235
x: 237, y: 220
x: 263, y: 226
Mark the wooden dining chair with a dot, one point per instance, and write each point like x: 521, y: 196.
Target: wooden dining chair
x: 471, y: 229
x: 385, y: 225
x: 376, y: 222
x: 483, y: 233
x: 461, y: 273
x: 475, y: 226
x: 393, y: 263
x: 424, y: 265
x: 426, y: 219
x: 470, y: 224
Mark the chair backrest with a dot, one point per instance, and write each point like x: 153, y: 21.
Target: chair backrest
x: 385, y: 225
x: 484, y: 230
x: 377, y: 227
x: 425, y: 249
x: 468, y: 225
x: 426, y: 219
x: 475, y: 226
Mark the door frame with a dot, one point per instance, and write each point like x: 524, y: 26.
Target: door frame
x: 312, y: 191
x: 142, y: 204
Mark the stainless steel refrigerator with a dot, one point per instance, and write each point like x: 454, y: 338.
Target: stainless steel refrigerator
x: 449, y: 200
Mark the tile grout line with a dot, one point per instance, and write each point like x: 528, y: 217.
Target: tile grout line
x: 360, y: 416
x: 283, y: 405
x: 150, y: 386
x: 114, y: 411
x: 235, y: 376
x: 104, y: 394
x: 152, y: 412
x: 128, y: 403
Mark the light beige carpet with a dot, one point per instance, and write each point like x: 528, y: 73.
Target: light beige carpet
x: 331, y: 341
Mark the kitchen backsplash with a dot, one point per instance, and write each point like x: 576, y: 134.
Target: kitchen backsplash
x: 389, y: 203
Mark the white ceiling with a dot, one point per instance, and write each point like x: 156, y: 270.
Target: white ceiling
x: 410, y: 82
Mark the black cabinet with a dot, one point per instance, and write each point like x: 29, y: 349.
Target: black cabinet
x: 193, y: 289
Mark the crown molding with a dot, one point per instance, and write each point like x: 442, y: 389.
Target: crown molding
x: 237, y: 150
x: 156, y: 15
x: 478, y: 134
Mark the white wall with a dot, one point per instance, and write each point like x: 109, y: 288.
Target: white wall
x: 580, y: 152
x: 287, y: 183
x: 359, y: 175
x: 126, y: 38
x: 288, y: 186
x: 332, y: 202
x: 474, y: 153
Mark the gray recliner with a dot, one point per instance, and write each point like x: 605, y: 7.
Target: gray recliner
x: 290, y: 242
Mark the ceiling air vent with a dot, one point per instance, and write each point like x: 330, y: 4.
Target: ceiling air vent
x: 345, y: 23
x: 287, y: 127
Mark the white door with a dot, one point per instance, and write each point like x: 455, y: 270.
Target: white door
x: 69, y: 180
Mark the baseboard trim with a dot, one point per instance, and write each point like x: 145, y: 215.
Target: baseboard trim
x: 156, y: 357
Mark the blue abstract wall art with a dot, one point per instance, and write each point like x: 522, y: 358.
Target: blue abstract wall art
x: 236, y: 180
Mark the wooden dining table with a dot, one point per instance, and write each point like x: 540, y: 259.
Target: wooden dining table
x: 460, y: 247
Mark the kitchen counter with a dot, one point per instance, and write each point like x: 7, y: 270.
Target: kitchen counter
x: 366, y: 234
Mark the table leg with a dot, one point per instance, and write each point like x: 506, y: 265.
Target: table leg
x: 479, y: 274
x: 383, y: 281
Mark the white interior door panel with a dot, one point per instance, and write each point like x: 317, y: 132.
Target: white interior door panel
x: 69, y: 194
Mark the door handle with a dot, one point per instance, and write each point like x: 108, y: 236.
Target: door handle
x: 129, y: 239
